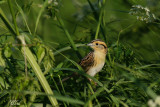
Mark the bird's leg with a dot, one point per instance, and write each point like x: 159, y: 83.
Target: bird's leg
x: 92, y: 81
x: 95, y: 83
x: 89, y: 79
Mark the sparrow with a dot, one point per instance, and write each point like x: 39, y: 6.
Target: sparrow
x: 95, y: 60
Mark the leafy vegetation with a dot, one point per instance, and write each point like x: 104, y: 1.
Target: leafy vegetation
x: 42, y: 41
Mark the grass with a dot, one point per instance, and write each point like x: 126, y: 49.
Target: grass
x: 41, y: 42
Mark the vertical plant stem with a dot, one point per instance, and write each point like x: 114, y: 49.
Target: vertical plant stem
x: 90, y: 101
x: 98, y: 26
x: 119, y: 36
x: 93, y: 9
x: 25, y: 60
x: 68, y: 36
x: 63, y: 89
x: 61, y: 84
x: 23, y: 16
x: 100, y: 21
x: 93, y: 93
x: 58, y: 89
x: 99, y: 17
x: 31, y: 100
x: 102, y: 26
x: 39, y: 15
x: 13, y: 16
x: 67, y: 33
x: 56, y: 85
x: 122, y: 31
x: 93, y: 96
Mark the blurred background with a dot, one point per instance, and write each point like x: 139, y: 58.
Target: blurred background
x: 81, y: 22
x: 57, y: 31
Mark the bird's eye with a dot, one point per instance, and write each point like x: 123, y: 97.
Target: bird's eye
x: 96, y: 43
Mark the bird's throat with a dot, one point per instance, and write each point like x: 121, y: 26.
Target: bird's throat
x: 99, y: 57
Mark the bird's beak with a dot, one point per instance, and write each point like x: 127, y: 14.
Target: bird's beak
x: 90, y: 44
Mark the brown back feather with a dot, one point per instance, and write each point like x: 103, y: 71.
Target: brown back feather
x: 87, y: 61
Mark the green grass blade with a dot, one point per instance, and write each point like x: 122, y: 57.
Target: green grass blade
x: 90, y: 101
x: 7, y: 23
x: 58, y: 97
x: 98, y: 26
x: 148, y: 90
x: 82, y: 73
x: 66, y: 48
x: 93, y: 9
x: 38, y: 71
x: 73, y: 62
x: 99, y: 17
x: 61, y: 84
x: 39, y: 15
x: 67, y: 33
x: 13, y: 17
x: 94, y: 95
x: 114, y: 99
x: 69, y: 100
x: 91, y: 89
x: 23, y: 16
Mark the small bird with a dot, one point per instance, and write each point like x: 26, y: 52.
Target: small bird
x: 95, y: 60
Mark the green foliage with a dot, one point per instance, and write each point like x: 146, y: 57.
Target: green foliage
x: 42, y: 41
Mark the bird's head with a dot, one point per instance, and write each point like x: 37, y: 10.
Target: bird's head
x: 98, y: 45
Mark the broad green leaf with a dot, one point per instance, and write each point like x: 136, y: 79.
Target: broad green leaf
x: 4, y: 83
x: 7, y: 52
x: 40, y: 54
x: 2, y: 61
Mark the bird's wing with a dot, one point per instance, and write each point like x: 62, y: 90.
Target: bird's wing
x: 87, y: 61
